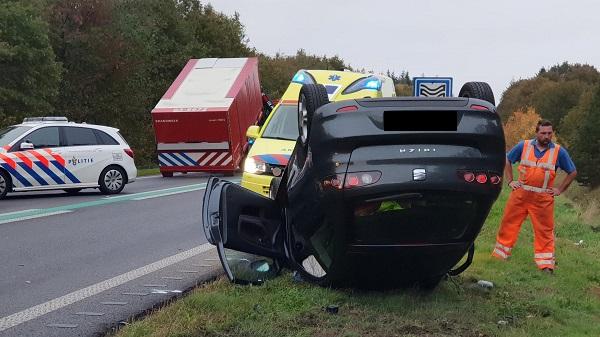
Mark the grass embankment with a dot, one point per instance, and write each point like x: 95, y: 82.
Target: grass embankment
x: 524, y: 301
x: 148, y: 172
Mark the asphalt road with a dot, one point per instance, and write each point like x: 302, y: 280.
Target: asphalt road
x: 72, y: 265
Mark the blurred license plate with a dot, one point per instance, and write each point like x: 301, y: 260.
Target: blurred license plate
x: 420, y: 120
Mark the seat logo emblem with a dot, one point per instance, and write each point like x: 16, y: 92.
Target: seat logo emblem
x: 419, y: 174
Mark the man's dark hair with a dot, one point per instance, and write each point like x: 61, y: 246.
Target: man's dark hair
x: 542, y: 122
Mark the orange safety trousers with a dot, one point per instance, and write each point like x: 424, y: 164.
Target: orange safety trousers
x: 532, y: 198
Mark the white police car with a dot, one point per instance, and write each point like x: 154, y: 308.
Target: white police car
x: 46, y: 153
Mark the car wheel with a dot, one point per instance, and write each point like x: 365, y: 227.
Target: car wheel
x: 312, y: 97
x: 429, y: 284
x: 273, y: 187
x: 167, y: 174
x: 4, y: 184
x: 479, y: 90
x: 72, y: 190
x: 112, y: 180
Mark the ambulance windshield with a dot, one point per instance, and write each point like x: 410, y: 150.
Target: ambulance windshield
x: 284, y: 124
x: 7, y: 135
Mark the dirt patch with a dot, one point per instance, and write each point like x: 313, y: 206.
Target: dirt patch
x: 595, y: 290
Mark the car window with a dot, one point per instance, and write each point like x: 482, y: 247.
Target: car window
x: 7, y: 135
x: 44, y: 137
x: 80, y: 136
x: 283, y: 124
x: 105, y: 139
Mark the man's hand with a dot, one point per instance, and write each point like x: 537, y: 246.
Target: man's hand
x: 554, y: 191
x: 514, y: 185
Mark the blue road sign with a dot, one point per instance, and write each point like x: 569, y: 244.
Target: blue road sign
x: 432, y: 86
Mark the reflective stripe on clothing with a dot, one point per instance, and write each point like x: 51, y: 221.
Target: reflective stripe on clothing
x: 543, y: 255
x: 534, y: 189
x: 545, y: 262
x: 500, y: 253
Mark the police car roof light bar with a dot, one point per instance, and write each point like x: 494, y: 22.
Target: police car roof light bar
x: 45, y: 119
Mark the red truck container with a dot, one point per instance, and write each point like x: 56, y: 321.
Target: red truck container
x: 200, y: 123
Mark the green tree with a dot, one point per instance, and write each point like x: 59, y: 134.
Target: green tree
x: 585, y: 145
x: 30, y: 73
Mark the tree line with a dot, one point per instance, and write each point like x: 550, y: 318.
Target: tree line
x: 109, y: 61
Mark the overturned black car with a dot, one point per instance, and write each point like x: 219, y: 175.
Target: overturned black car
x: 377, y: 193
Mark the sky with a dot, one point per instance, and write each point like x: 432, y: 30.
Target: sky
x: 491, y: 41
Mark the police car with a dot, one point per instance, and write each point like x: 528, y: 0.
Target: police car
x: 48, y: 153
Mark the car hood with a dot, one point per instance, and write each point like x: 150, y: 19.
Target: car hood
x: 273, y: 151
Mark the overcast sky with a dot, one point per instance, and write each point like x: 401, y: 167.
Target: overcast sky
x: 481, y: 40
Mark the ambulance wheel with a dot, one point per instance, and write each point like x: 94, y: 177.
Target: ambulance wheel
x: 167, y: 174
x: 112, y: 180
x: 312, y: 97
x: 5, y: 184
x: 479, y: 90
x: 72, y: 191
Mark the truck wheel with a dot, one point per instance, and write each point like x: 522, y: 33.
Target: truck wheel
x: 479, y: 90
x: 312, y: 97
x: 167, y: 174
x: 112, y: 180
x: 4, y: 184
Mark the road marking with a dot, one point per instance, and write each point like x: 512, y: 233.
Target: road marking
x: 88, y: 313
x: 63, y: 301
x: 36, y: 213
x: 68, y: 326
x: 136, y: 294
x: 32, y: 216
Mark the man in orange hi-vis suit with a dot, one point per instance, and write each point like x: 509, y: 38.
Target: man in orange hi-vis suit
x: 533, y: 194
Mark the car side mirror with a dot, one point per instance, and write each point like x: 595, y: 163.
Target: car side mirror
x: 253, y: 131
x: 26, y: 146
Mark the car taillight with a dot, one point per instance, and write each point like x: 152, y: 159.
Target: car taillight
x: 347, y: 108
x: 351, y: 180
x: 481, y: 178
x: 495, y: 179
x: 479, y: 107
x: 129, y: 152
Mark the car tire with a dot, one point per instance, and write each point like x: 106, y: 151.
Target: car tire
x: 112, y: 180
x: 429, y: 284
x: 167, y: 174
x: 479, y: 90
x: 274, y: 187
x: 5, y: 184
x: 72, y: 190
x: 312, y: 97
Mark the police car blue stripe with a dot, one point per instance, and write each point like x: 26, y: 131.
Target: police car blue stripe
x: 186, y: 157
x: 16, y: 174
x: 49, y: 172
x: 176, y: 158
x: 32, y: 173
x: 165, y: 158
x: 67, y: 172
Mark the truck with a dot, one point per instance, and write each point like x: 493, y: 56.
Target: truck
x: 200, y: 123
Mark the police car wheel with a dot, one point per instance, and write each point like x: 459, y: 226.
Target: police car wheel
x: 112, y: 180
x: 479, y: 90
x: 4, y: 184
x: 312, y: 97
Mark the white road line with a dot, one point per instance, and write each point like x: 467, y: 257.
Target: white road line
x: 167, y: 194
x: 57, y: 303
x: 23, y: 211
x: 35, y: 216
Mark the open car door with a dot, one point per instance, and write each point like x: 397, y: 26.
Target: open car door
x: 247, y: 229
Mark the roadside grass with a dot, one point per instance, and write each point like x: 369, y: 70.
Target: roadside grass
x: 148, y: 172
x: 524, y: 301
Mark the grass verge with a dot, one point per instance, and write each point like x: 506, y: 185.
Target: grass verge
x: 148, y: 172
x: 524, y: 301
